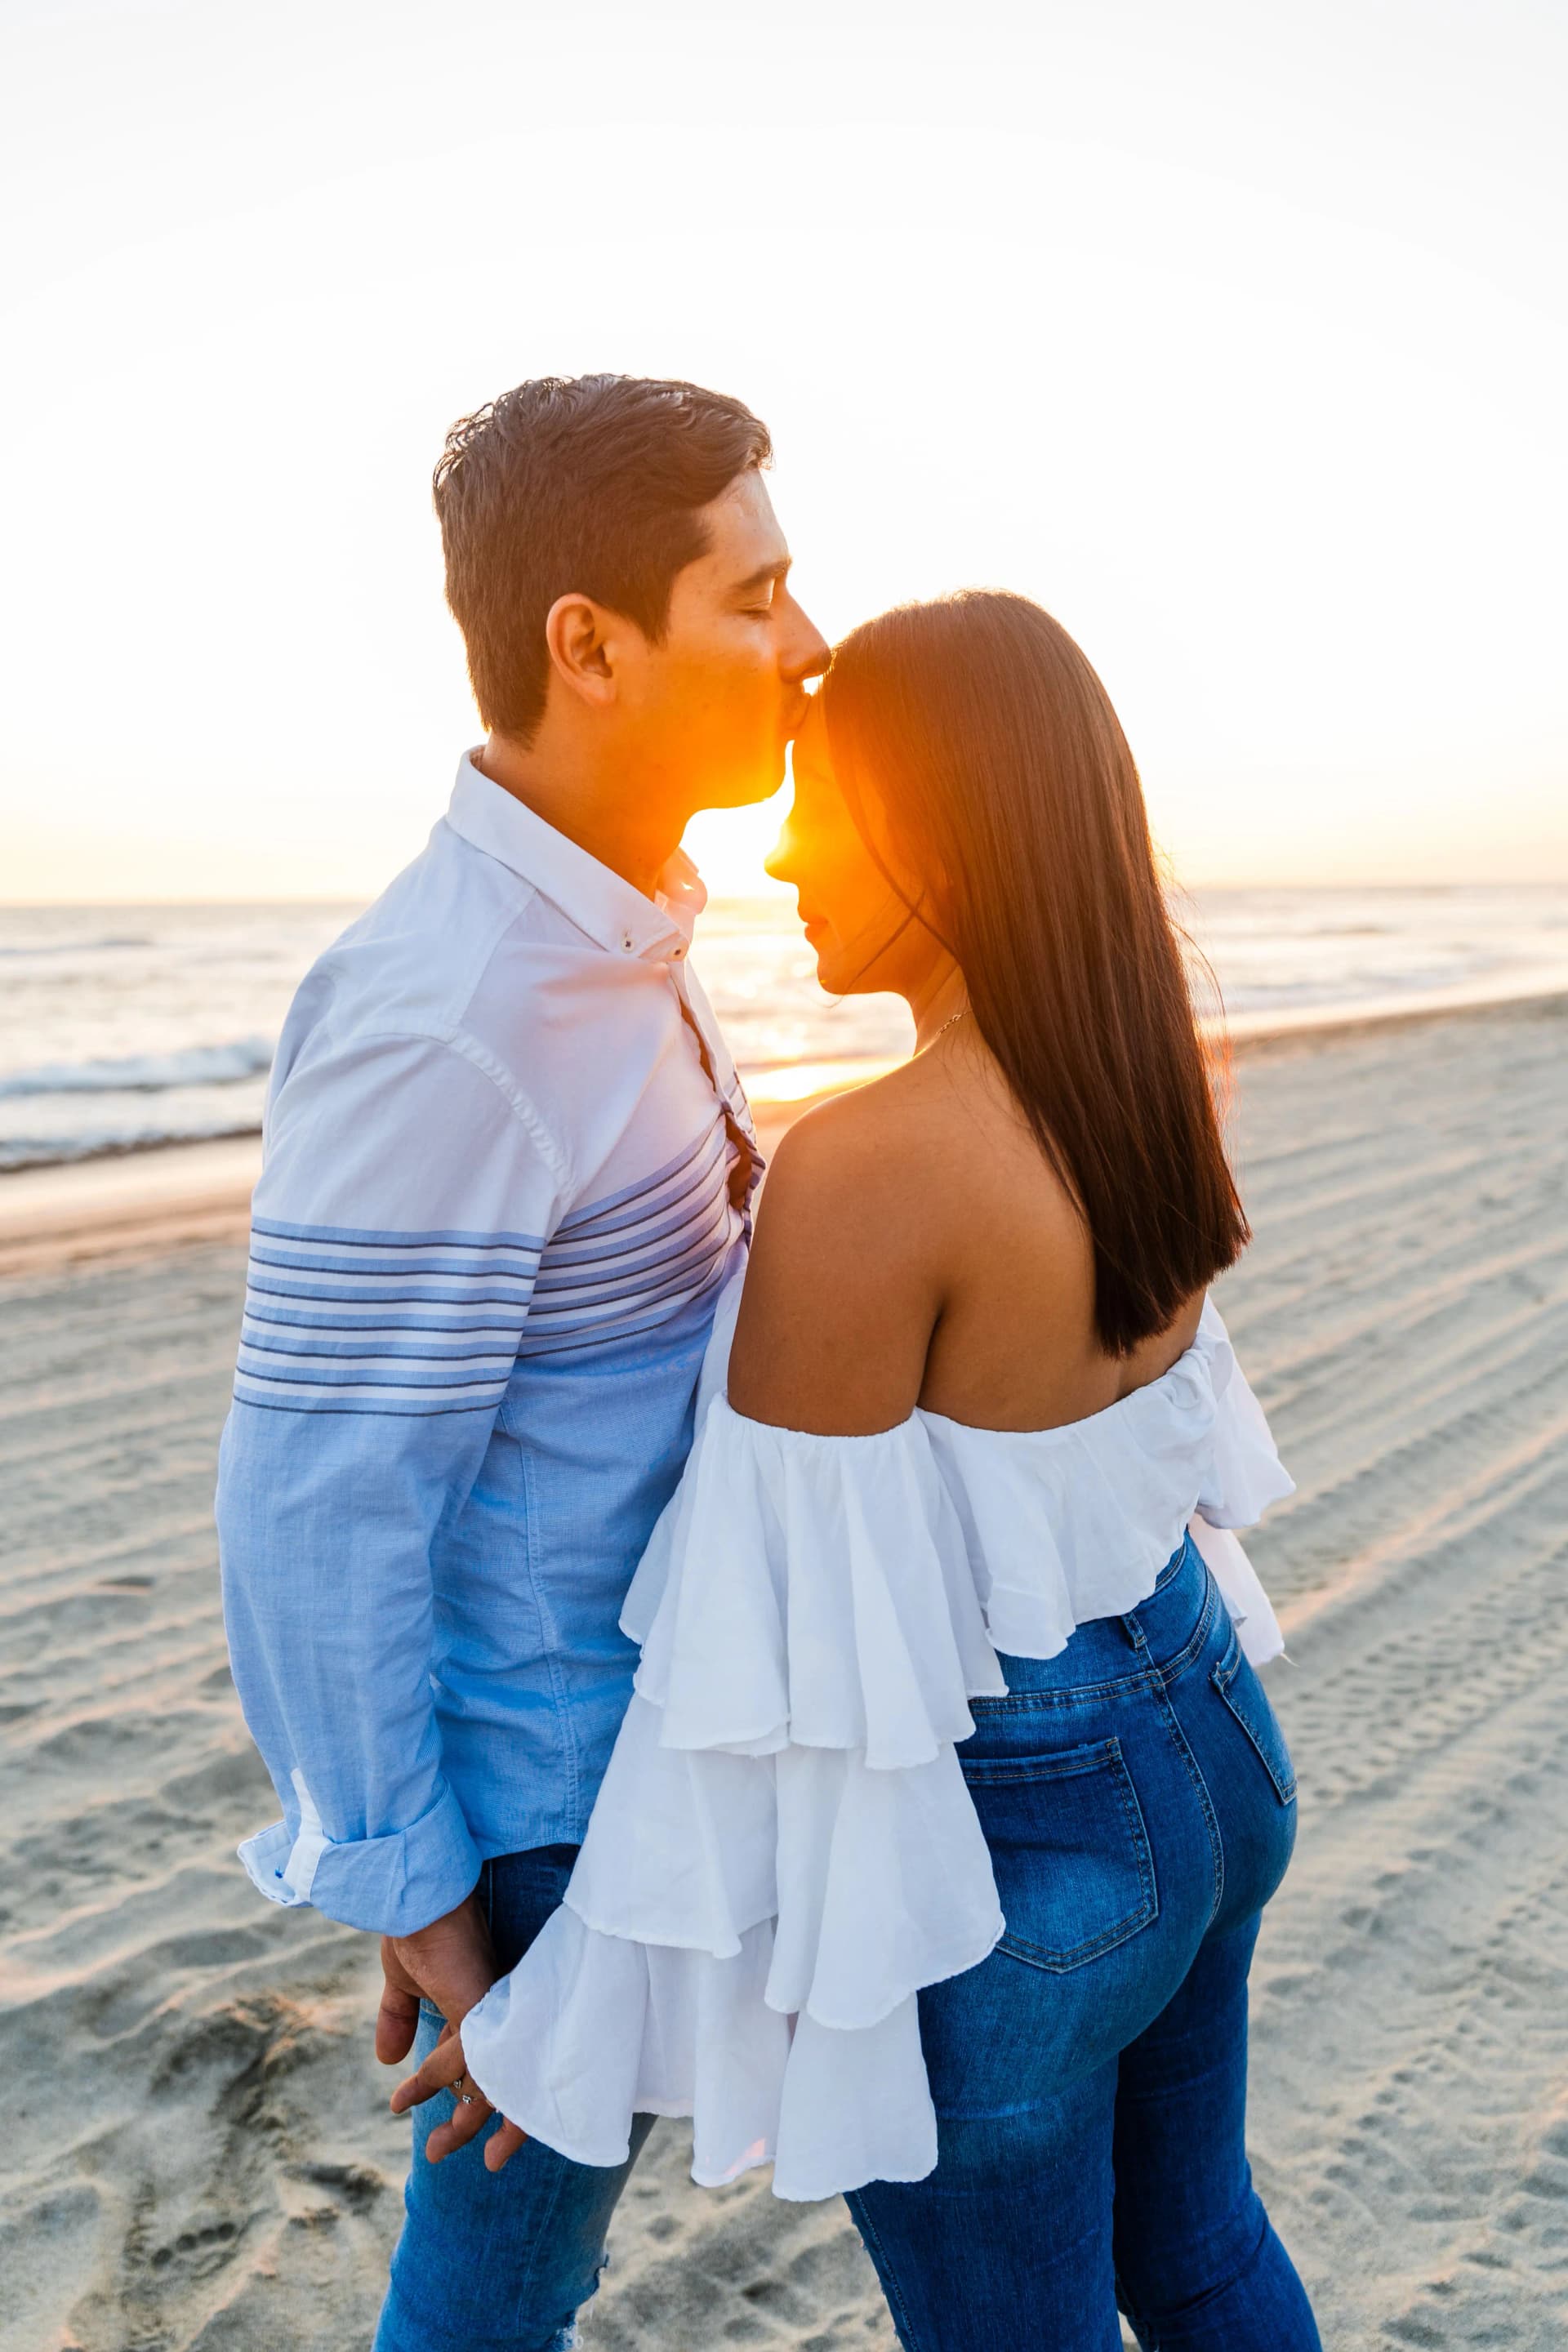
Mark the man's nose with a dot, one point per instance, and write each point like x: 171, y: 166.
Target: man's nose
x: 811, y: 656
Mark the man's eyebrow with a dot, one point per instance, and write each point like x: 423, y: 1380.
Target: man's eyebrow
x: 761, y: 577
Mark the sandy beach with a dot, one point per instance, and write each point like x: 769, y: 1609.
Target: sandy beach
x: 200, y: 2153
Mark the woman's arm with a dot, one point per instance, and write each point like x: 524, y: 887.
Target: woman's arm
x: 845, y: 1285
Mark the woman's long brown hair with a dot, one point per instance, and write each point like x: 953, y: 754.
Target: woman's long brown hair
x: 1006, y: 781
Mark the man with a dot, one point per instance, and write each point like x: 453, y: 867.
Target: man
x: 507, y: 1172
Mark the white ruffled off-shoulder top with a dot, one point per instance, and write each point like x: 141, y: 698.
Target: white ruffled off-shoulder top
x: 783, y: 1850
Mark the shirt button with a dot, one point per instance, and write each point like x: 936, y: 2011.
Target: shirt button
x: 627, y: 940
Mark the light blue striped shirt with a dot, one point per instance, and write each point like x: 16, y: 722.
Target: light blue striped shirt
x: 492, y: 1223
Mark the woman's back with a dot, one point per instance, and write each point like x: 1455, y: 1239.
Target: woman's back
x: 914, y: 1246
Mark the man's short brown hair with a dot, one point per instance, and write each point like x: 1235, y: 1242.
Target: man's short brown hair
x: 589, y: 483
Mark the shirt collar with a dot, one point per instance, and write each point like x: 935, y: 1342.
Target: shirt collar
x: 601, y: 903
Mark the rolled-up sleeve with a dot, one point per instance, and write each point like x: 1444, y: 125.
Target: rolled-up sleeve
x: 407, y: 1195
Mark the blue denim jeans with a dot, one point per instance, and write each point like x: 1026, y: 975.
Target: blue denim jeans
x: 500, y: 2261
x: 1091, y: 2076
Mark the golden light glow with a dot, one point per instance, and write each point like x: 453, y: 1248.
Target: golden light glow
x: 802, y: 1079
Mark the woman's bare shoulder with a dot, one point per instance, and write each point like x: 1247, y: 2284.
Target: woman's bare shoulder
x: 844, y: 1132
x: 936, y: 1149
x: 843, y: 1284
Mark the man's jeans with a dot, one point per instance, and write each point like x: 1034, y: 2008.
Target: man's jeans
x: 500, y: 2261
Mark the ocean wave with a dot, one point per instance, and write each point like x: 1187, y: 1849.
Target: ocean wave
x: 77, y: 947
x: 139, y: 1074
x: 20, y: 1151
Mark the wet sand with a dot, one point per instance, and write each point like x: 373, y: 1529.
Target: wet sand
x: 199, y: 2152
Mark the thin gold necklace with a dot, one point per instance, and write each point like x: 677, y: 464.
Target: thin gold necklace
x: 946, y: 1026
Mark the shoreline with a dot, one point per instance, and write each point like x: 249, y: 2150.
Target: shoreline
x: 135, y: 1203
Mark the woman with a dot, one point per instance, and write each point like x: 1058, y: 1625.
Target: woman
x: 931, y: 1856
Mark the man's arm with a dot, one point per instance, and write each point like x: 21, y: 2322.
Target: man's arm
x: 398, y: 1228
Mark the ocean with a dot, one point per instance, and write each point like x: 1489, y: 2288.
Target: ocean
x: 122, y: 1029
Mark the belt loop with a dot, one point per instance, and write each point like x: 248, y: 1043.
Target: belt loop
x: 1134, y: 1631
x: 1132, y: 1624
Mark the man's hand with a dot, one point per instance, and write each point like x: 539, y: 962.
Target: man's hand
x: 445, y: 2070
x: 449, y: 1963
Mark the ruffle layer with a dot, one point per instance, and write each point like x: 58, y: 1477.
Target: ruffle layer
x: 878, y: 1881
x: 1251, y: 1611
x: 811, y: 1590
x: 591, y: 2030
x: 1244, y: 1473
x: 742, y: 1941
x: 784, y: 1851
x: 1066, y: 1524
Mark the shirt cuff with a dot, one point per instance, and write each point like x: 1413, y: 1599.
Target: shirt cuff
x: 393, y: 1886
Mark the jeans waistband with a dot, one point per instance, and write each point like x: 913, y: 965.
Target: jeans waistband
x: 1104, y: 1650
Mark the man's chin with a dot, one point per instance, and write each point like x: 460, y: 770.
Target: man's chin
x: 737, y: 790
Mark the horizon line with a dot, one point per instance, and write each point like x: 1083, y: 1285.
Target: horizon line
x: 782, y: 895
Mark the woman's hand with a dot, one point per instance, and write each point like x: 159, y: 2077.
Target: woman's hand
x: 446, y: 2068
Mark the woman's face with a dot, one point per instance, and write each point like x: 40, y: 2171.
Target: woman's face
x: 859, y: 929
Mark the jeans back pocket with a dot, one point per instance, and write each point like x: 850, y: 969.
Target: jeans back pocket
x: 1070, y: 1850
x: 1239, y: 1685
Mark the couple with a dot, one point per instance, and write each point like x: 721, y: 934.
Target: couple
x: 831, y: 1700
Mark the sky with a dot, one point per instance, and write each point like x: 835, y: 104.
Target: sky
x: 1234, y: 332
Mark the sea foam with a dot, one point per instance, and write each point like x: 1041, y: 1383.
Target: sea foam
x: 193, y: 1066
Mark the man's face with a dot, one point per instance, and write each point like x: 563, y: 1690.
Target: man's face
x: 717, y: 702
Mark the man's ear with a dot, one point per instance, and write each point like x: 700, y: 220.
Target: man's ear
x: 582, y: 640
